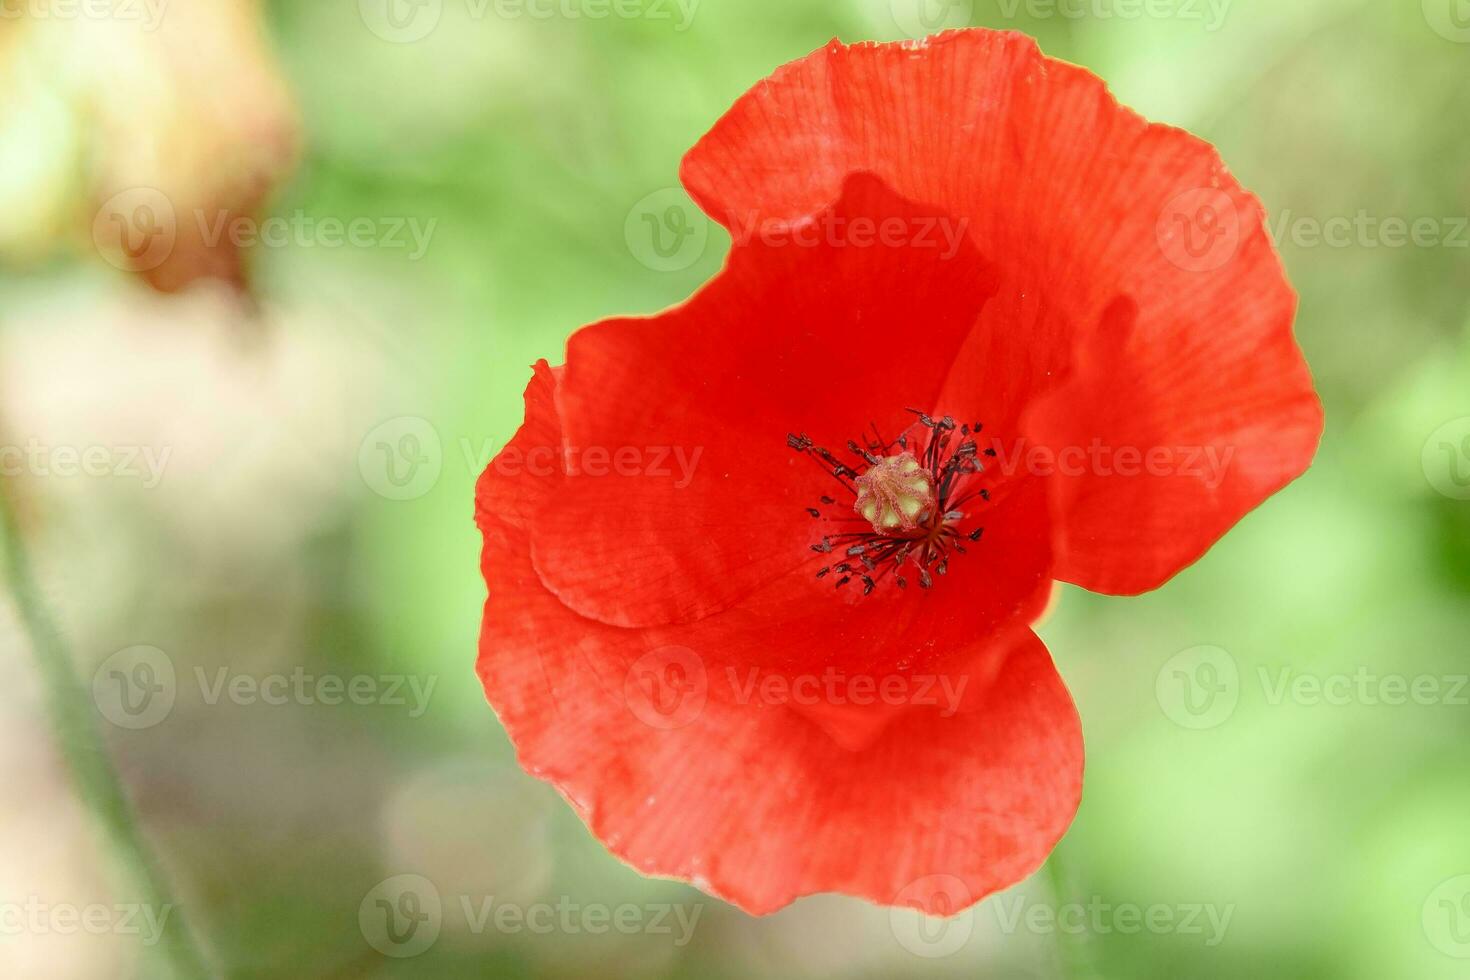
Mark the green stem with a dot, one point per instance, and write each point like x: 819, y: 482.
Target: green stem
x: 69, y: 706
x: 1073, y: 958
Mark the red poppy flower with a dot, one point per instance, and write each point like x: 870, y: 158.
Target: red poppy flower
x: 762, y: 569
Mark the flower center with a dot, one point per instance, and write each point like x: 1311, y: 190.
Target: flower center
x: 896, y: 494
x: 911, y: 498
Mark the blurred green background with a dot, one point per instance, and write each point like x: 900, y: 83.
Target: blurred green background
x: 317, y: 410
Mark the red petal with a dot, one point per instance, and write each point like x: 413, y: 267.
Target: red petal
x: 1081, y: 205
x: 797, y: 623
x: 825, y: 338
x: 529, y: 468
x: 753, y: 802
x: 1184, y: 437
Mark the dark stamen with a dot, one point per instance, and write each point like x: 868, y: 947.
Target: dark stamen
x: 950, y: 456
